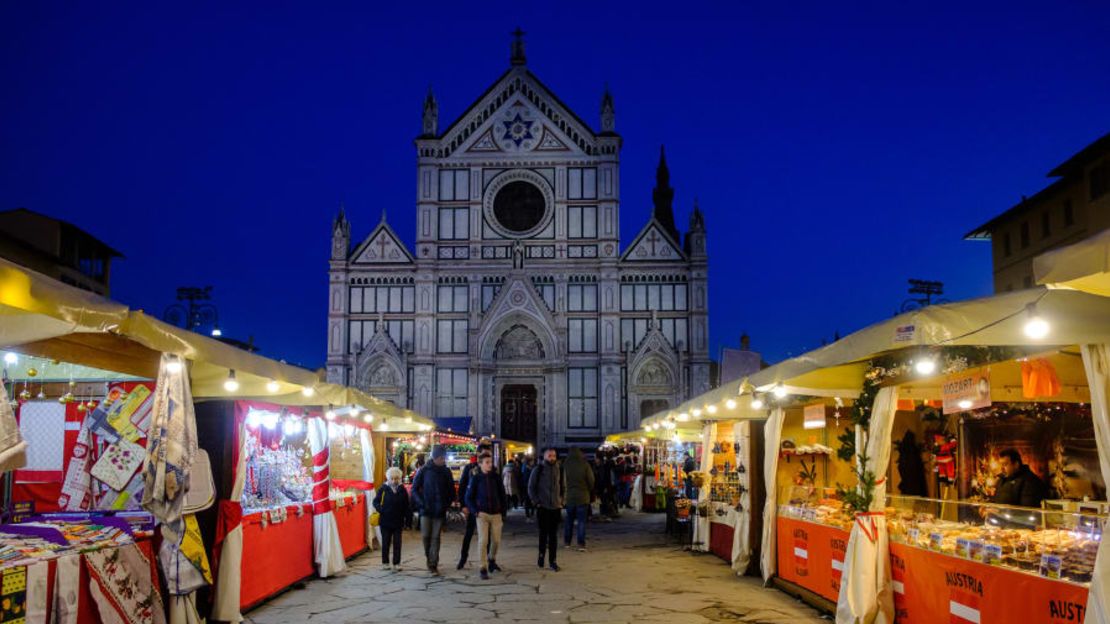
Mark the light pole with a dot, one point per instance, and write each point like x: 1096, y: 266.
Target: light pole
x: 191, y: 312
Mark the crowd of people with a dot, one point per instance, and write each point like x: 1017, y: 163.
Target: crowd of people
x: 546, y: 489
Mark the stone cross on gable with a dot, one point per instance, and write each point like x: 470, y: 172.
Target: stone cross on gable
x: 382, y: 244
x: 653, y: 238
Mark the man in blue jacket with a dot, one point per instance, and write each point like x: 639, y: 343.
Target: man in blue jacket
x: 434, y: 487
x: 487, y: 502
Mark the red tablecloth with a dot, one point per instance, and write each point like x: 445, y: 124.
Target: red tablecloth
x: 351, y: 520
x: 720, y: 540
x: 275, y: 557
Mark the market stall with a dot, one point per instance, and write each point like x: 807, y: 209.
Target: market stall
x: 953, y: 394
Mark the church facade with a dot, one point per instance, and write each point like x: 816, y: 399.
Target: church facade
x: 518, y: 306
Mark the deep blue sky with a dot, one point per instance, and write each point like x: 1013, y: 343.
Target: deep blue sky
x: 836, y: 150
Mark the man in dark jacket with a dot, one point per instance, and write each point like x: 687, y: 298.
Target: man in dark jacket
x: 469, y: 472
x: 1017, y: 485
x: 435, y: 488
x: 579, y: 479
x: 545, y: 487
x: 487, y: 503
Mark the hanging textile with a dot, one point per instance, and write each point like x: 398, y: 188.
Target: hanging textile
x: 866, y: 594
x: 228, y: 549
x: 1096, y: 362
x: 772, y: 433
x: 13, y: 450
x: 636, y: 501
x: 123, y: 586
x: 1039, y: 379
x: 701, y: 523
x: 325, y: 531
x: 367, y: 442
x: 741, y: 533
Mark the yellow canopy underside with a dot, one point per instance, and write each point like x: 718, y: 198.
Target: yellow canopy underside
x: 1083, y: 266
x: 42, y: 317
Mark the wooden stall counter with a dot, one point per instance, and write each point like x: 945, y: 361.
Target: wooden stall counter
x: 277, y: 552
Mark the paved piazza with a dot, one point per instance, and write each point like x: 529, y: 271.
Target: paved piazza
x: 631, y: 573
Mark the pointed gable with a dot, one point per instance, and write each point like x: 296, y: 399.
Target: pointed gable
x: 518, y: 113
x: 381, y: 247
x: 653, y: 244
x: 517, y: 299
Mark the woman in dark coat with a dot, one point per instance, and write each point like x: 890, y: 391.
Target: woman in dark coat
x: 392, y: 504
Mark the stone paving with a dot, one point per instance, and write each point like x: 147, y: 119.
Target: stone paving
x: 631, y: 573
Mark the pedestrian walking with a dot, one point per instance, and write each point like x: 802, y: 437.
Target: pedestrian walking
x: 487, y: 502
x: 545, y: 486
x: 391, y: 501
x: 579, y: 479
x: 529, y: 506
x: 469, y: 472
x: 435, y: 488
x: 509, y: 479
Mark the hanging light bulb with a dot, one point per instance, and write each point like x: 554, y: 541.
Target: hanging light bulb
x: 712, y: 409
x: 272, y: 386
x: 757, y: 402
x: 231, y: 384
x: 290, y: 427
x: 368, y: 418
x: 647, y: 428
x: 730, y: 404
x: 11, y: 358
x: 270, y: 420
x: 254, y: 419
x: 354, y: 411
x: 408, y: 420
x: 964, y: 404
x: 330, y: 414
x: 696, y: 411
x: 779, y: 391
x: 1035, y: 326
x: 925, y: 366
x: 383, y: 427
x: 683, y: 416
x: 308, y: 391
x: 216, y: 333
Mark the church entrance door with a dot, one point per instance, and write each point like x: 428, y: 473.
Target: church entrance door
x: 518, y: 413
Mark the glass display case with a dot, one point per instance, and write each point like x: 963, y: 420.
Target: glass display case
x: 1052, y: 543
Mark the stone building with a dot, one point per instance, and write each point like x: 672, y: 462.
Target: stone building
x: 1076, y: 205
x: 518, y: 306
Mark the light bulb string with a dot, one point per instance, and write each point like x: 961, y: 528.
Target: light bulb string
x: 1023, y: 310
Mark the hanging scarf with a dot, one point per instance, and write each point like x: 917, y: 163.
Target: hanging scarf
x: 12, y: 447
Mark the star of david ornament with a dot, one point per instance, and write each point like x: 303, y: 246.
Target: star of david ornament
x: 518, y: 130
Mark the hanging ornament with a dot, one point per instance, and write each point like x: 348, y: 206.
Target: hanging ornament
x: 81, y: 407
x: 72, y: 384
x: 41, y: 395
x: 25, y: 394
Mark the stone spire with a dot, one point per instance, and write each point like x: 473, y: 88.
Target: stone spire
x: 663, y: 197
x: 340, y: 235
x: 431, y: 114
x: 516, y: 51
x: 608, y: 113
x: 695, y: 237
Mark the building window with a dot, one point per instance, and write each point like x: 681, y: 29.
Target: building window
x: 489, y: 292
x: 451, y: 336
x: 454, y: 184
x: 1100, y: 180
x: 581, y: 398
x: 388, y: 299
x: 675, y: 330
x: 582, y: 183
x: 658, y: 297
x: 451, y: 392
x: 1024, y: 234
x: 454, y: 223
x: 1046, y: 225
x: 399, y: 330
x: 582, y: 335
x: 1006, y: 247
x: 545, y: 287
x: 581, y: 221
x: 1069, y: 214
x: 582, y: 297
x: 452, y: 298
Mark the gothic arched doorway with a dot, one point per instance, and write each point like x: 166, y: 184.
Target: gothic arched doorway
x: 518, y: 413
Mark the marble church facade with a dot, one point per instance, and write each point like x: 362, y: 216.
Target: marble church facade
x: 518, y: 306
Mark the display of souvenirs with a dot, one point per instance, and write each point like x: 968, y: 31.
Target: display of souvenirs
x: 42, y: 538
x: 274, y: 476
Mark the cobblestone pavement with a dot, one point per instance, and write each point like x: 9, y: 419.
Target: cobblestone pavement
x: 630, y: 573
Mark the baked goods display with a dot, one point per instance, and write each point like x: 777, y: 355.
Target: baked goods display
x: 1052, y: 544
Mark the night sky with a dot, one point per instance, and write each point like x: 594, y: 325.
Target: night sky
x: 835, y: 150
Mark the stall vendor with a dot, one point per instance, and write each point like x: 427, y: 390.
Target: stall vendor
x: 1017, y: 485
